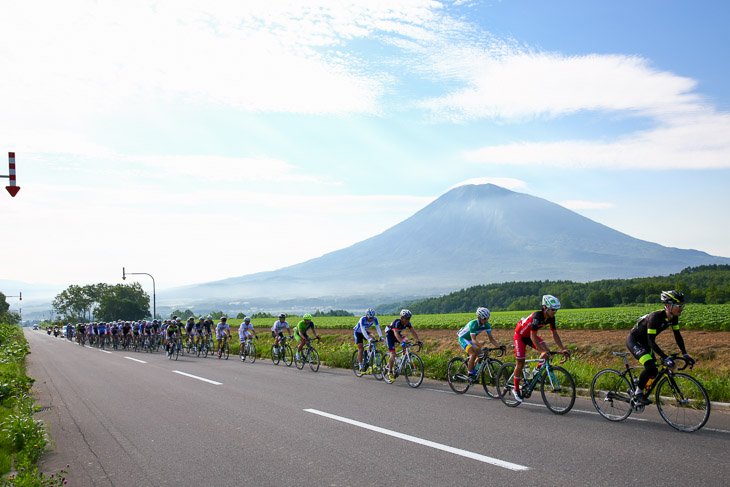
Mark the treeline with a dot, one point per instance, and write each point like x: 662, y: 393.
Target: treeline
x: 709, y: 284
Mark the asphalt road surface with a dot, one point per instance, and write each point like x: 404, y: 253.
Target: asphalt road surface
x: 137, y: 419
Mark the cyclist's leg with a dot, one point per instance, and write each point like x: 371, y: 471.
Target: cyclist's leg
x: 645, y: 356
x: 359, y: 339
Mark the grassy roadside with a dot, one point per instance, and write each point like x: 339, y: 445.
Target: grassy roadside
x: 23, y: 438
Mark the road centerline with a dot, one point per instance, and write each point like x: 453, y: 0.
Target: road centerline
x: 197, y: 377
x: 136, y: 360
x: 438, y: 446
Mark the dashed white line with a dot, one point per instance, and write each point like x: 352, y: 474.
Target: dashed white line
x: 199, y: 378
x: 136, y: 360
x: 421, y: 441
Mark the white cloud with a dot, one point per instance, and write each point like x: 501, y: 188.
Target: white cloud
x: 586, y: 205
x: 509, y: 183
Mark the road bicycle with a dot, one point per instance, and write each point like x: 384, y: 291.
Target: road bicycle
x: 680, y: 398
x: 486, y: 367
x: 373, y: 361
x: 557, y: 386
x: 190, y: 343
x: 204, y: 345
x: 407, y: 363
x: 173, y: 348
x: 225, y: 350
x: 309, y: 355
x: 248, y: 350
x: 282, y: 352
x: 115, y: 342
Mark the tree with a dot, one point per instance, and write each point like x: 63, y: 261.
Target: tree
x: 77, y: 303
x: 124, y: 302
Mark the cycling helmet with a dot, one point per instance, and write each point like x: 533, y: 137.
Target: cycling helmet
x: 404, y: 313
x: 282, y: 315
x: 370, y: 313
x: 223, y: 318
x: 551, y: 302
x: 208, y: 317
x: 672, y: 297
x: 307, y: 316
x: 483, y: 313
x: 247, y: 319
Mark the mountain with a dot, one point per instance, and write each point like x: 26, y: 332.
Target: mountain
x: 475, y: 234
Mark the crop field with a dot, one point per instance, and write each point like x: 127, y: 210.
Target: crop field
x: 694, y: 317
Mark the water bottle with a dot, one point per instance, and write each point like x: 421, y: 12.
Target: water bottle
x: 529, y: 373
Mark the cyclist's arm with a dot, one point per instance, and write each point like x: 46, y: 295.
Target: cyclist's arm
x: 651, y: 334
x: 477, y: 345
x: 415, y: 335
x: 540, y: 347
x: 559, y: 342
x: 491, y: 339
x: 680, y: 341
x: 380, y: 333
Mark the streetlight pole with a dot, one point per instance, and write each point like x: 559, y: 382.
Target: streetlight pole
x: 154, y: 298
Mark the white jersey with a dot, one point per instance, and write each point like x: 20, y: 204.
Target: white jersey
x: 279, y: 326
x: 244, y: 331
x: 220, y: 329
x: 363, y: 325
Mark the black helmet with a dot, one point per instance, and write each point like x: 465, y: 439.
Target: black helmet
x: 672, y: 297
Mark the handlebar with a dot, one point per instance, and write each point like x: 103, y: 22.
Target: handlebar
x: 687, y: 363
x: 556, y: 352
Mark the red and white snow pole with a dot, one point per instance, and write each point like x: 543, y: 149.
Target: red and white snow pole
x: 13, y: 188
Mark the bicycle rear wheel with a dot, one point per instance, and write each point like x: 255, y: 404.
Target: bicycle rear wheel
x: 251, y: 352
x: 457, y: 375
x: 287, y: 355
x: 413, y: 370
x: 489, y: 377
x: 355, y: 364
x: 611, y: 395
x: 558, y: 390
x: 299, y: 362
x: 313, y: 359
x: 176, y: 350
x: 275, y: 354
x: 683, y: 402
x: 226, y: 350
x: 506, y: 384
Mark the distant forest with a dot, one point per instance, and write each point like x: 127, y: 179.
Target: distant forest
x: 708, y: 284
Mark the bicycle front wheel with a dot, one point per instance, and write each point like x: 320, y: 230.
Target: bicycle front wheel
x: 457, y: 375
x: 287, y: 355
x: 377, y: 365
x: 275, y: 355
x: 611, y: 395
x: 313, y: 359
x: 251, y: 352
x: 489, y: 378
x: 299, y: 361
x: 355, y: 364
x: 226, y: 351
x: 506, y: 384
x: 683, y: 402
x: 413, y: 370
x: 558, y: 390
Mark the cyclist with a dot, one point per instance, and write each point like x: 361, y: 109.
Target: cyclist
x: 246, y: 331
x: 641, y: 341
x: 526, y: 335
x: 126, y: 331
x: 300, y: 332
x: 199, y: 331
x: 173, y: 330
x: 277, y: 330
x: 222, y: 329
x: 189, y: 329
x: 362, y: 333
x: 393, y: 335
x: 468, y: 338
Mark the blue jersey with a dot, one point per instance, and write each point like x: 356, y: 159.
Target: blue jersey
x: 363, y: 325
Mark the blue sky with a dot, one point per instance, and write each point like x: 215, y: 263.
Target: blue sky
x: 203, y: 140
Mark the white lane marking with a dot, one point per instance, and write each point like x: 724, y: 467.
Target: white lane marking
x: 136, y: 360
x: 199, y: 378
x: 420, y: 441
x: 104, y: 351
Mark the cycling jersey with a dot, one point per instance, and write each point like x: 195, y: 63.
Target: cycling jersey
x: 220, y: 329
x: 300, y: 331
x: 646, y: 330
x: 363, y: 325
x: 279, y: 326
x: 244, y: 331
x: 390, y: 339
x: 474, y: 328
x: 533, y: 322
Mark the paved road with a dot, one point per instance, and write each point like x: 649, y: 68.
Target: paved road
x: 121, y: 422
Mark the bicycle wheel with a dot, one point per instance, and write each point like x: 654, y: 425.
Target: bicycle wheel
x: 386, y: 375
x: 176, y: 350
x: 355, y: 365
x: 205, y: 346
x: 506, y: 384
x: 413, y: 370
x: 275, y: 355
x: 489, y: 378
x: 251, y: 352
x: 377, y: 365
x: 226, y: 350
x: 457, y: 374
x: 242, y: 351
x: 313, y: 359
x: 683, y: 402
x: 299, y: 362
x: 558, y: 390
x: 611, y: 395
x: 288, y: 356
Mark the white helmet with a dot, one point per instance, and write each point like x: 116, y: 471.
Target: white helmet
x: 370, y: 313
x: 551, y: 302
x: 404, y: 313
x: 483, y: 313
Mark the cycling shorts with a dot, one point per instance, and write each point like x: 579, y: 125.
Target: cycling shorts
x: 465, y: 343
x: 391, y: 341
x: 300, y: 337
x: 521, y: 344
x: 246, y: 336
x: 274, y: 334
x: 360, y: 338
x: 639, y: 350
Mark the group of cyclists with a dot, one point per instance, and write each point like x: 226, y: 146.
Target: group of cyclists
x: 641, y: 340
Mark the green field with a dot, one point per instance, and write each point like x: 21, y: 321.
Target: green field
x: 695, y: 317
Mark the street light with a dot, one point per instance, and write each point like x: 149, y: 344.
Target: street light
x: 154, y: 298
x: 20, y: 295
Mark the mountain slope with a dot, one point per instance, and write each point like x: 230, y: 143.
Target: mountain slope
x: 473, y: 234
